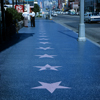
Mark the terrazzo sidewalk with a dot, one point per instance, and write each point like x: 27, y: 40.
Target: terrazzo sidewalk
x: 48, y: 63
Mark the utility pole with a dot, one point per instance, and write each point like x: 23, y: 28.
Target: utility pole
x: 23, y: 5
x: 13, y: 3
x: 50, y: 9
x: 73, y: 5
x: 27, y: 7
x: 43, y: 4
x: 94, y: 5
x: 16, y: 2
x: 81, y: 35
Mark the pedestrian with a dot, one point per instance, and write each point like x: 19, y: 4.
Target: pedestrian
x: 25, y: 15
x: 32, y: 14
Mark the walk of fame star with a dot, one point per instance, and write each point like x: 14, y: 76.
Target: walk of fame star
x: 46, y: 56
x: 47, y: 66
x: 44, y: 42
x: 43, y: 39
x: 42, y: 36
x: 44, y: 48
x: 51, y: 87
x: 42, y: 33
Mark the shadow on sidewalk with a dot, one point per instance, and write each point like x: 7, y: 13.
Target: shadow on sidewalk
x: 15, y: 39
x: 68, y: 34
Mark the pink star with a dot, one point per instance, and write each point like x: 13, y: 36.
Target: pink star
x: 45, y: 56
x: 43, y: 39
x: 42, y: 36
x: 47, y: 66
x: 44, y: 48
x: 42, y: 33
x: 44, y: 42
x: 51, y: 87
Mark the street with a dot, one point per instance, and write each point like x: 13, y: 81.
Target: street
x: 92, y: 30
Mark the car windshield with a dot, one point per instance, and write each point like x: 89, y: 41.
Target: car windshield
x: 91, y: 14
x: 94, y: 14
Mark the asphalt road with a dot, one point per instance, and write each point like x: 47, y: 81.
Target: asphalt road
x: 92, y: 30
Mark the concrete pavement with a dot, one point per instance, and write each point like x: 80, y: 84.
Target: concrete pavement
x: 47, y: 62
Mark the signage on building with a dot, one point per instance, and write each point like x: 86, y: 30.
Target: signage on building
x: 19, y: 8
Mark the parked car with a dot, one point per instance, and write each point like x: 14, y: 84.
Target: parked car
x: 61, y: 12
x: 92, y: 17
x: 71, y: 12
x: 58, y: 12
x: 77, y: 13
x: 54, y: 14
x: 66, y: 12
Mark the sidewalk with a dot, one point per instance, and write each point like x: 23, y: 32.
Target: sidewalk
x: 48, y: 63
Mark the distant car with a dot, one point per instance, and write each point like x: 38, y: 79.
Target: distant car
x: 54, y: 14
x: 92, y: 17
x: 77, y: 13
x: 61, y: 12
x: 66, y: 12
x: 71, y: 12
x: 58, y: 12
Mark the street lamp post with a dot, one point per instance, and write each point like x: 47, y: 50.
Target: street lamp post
x: 27, y: 6
x: 94, y: 5
x: 81, y: 35
x: 16, y: 2
x: 50, y: 10
x: 13, y: 3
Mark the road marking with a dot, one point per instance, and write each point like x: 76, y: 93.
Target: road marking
x: 51, y: 87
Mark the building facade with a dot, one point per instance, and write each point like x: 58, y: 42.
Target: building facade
x: 92, y: 5
x: 73, y: 4
x: 60, y: 3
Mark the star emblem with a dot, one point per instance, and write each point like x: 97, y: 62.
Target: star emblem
x: 42, y: 36
x: 46, y: 56
x: 42, y: 33
x: 44, y: 48
x: 44, y: 42
x: 51, y: 87
x: 43, y: 39
x: 47, y: 66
